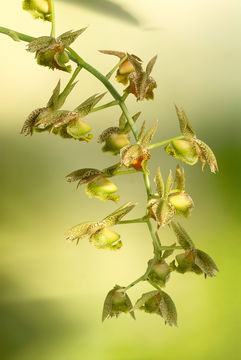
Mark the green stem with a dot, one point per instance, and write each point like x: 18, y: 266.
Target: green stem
x: 21, y: 36
x: 170, y: 247
x: 125, y: 172
x: 154, y: 239
x: 98, y: 108
x: 153, y: 146
x: 110, y: 73
x: 144, y: 277
x: 52, y: 34
x: 154, y: 285
x: 132, y: 221
x: 141, y: 278
x: 96, y: 73
x: 73, y: 77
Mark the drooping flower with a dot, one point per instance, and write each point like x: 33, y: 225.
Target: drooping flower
x: 160, y: 303
x: 67, y: 124
x: 51, y: 52
x: 141, y: 84
x: 117, y: 302
x: 191, y: 149
x: 98, y: 232
x: 125, y: 68
x: 192, y: 259
x: 98, y: 185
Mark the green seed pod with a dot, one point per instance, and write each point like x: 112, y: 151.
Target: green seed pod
x: 106, y: 239
x: 160, y: 273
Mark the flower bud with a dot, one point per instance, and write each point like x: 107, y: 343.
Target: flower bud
x: 38, y: 8
x: 106, y: 239
x: 102, y: 189
x: 160, y: 273
x: 117, y: 302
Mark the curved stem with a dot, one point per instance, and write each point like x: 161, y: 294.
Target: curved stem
x: 77, y: 59
x: 153, y: 146
x: 52, y: 34
x: 154, y: 285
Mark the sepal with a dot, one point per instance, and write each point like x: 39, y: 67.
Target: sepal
x: 118, y: 214
x: 182, y: 237
x: 85, y: 108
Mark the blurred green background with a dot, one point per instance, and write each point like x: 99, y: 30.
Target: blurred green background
x: 52, y: 291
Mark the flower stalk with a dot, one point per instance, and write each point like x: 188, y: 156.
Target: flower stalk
x: 170, y: 198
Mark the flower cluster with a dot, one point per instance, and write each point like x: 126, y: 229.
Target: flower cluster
x: 98, y: 232
x: 51, y: 52
x: 165, y: 202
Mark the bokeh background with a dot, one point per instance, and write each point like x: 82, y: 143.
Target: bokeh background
x: 52, y: 291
